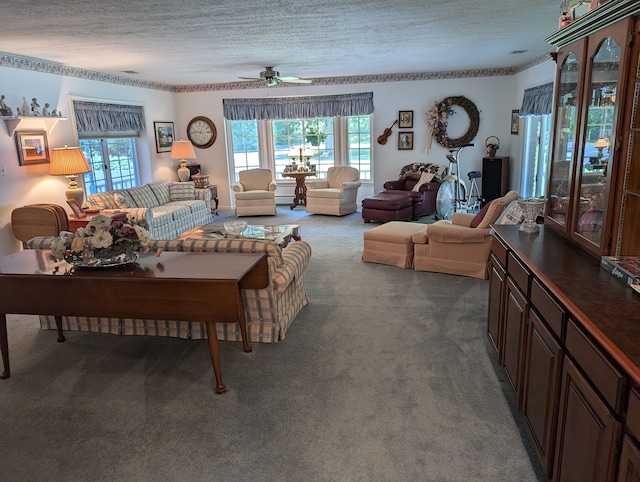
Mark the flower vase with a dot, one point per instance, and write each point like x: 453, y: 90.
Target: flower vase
x: 530, y: 207
x: 492, y: 153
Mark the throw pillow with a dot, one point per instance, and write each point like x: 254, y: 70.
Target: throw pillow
x: 182, y: 191
x: 512, y: 214
x: 424, y: 178
x: 496, y: 208
x: 122, y: 201
x: 480, y: 216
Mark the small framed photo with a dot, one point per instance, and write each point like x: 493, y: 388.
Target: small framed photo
x: 515, y: 122
x: 33, y: 147
x: 405, y: 119
x: 164, y: 136
x: 76, y: 208
x: 405, y: 140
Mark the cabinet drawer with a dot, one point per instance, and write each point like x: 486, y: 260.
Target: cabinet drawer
x: 605, y: 377
x: 550, y: 311
x: 499, y: 250
x: 633, y: 414
x: 518, y: 272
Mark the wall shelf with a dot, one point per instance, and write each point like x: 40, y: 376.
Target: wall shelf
x: 11, y: 123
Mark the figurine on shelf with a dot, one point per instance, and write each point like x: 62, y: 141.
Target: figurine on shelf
x: 45, y: 110
x: 24, y: 110
x: 5, y: 110
x: 565, y: 19
x: 54, y: 113
x: 34, y: 107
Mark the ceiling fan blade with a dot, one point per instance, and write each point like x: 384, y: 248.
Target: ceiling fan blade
x: 295, y: 80
x: 250, y: 78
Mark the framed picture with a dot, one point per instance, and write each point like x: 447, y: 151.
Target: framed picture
x: 164, y: 136
x: 33, y: 147
x: 76, y: 208
x: 515, y: 122
x: 405, y: 140
x: 405, y: 119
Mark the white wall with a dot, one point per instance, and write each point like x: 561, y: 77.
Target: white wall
x: 495, y: 98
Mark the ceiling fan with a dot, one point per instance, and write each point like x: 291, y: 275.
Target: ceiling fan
x: 272, y: 78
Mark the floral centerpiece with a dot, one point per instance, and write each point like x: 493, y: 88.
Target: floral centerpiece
x: 104, y: 241
x: 437, y: 118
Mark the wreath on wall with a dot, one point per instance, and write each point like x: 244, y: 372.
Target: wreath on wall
x: 438, y: 116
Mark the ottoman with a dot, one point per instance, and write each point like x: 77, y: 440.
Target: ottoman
x: 391, y: 244
x: 388, y: 206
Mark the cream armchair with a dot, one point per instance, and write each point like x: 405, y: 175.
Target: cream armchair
x: 255, y: 193
x: 461, y: 246
x: 335, y: 195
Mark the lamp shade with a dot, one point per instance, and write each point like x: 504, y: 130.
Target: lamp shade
x: 68, y: 160
x: 601, y: 143
x: 182, y: 150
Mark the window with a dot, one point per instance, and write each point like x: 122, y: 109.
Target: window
x: 270, y: 143
x: 114, y: 164
x: 537, y: 143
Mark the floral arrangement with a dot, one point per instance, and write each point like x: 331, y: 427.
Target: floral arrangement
x: 102, y: 238
x: 437, y: 118
x: 492, y: 145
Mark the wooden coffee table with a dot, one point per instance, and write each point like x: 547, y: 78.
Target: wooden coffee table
x: 281, y: 234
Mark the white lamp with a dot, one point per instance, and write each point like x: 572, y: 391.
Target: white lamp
x: 70, y: 161
x: 183, y: 150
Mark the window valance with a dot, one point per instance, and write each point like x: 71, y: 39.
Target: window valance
x: 299, y: 107
x: 537, y: 100
x: 101, y: 117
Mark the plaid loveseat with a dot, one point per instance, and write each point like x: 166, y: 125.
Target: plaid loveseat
x: 164, y: 207
x: 269, y: 311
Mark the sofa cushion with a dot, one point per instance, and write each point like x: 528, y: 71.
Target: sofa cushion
x: 180, y: 191
x: 102, y: 200
x: 512, y: 214
x: 123, y: 200
x: 143, y: 196
x: 161, y: 190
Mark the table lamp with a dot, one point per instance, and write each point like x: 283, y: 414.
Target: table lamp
x: 183, y: 150
x: 600, y: 144
x: 70, y: 161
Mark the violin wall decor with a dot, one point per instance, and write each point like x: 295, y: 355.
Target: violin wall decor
x: 382, y: 138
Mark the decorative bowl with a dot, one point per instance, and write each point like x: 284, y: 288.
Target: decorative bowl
x: 235, y: 226
x: 531, y: 208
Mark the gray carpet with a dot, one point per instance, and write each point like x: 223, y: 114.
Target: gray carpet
x: 385, y: 375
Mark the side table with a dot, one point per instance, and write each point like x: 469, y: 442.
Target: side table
x: 301, y: 186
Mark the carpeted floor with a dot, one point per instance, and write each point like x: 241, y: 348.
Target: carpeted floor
x: 385, y: 375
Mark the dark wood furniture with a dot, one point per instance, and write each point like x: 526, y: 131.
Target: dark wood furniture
x: 594, y: 180
x: 565, y: 333
x: 495, y: 177
x: 301, y: 186
x: 176, y: 286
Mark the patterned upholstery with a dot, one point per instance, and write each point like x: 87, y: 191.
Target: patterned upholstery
x: 269, y: 311
x: 165, y: 208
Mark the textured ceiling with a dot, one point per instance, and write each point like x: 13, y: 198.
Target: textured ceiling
x: 192, y: 42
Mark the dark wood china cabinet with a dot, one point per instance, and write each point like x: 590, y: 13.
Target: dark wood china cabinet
x: 594, y: 170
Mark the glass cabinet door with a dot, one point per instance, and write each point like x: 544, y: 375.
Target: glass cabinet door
x: 598, y: 138
x: 569, y: 84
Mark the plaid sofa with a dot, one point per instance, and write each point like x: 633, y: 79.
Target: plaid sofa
x: 270, y: 311
x: 164, y: 207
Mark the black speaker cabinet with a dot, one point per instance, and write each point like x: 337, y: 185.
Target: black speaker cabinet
x: 495, y: 177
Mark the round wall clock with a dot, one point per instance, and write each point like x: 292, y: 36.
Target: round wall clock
x: 201, y: 132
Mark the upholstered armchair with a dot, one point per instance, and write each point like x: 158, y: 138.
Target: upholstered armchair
x: 255, y: 193
x: 335, y: 195
x: 460, y: 246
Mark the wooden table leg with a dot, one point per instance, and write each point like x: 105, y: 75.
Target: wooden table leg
x: 4, y: 347
x: 61, y: 337
x: 243, y: 323
x: 214, y: 351
x: 301, y: 192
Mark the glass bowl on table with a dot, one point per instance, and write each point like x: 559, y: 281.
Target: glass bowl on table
x: 235, y: 227
x: 531, y: 207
